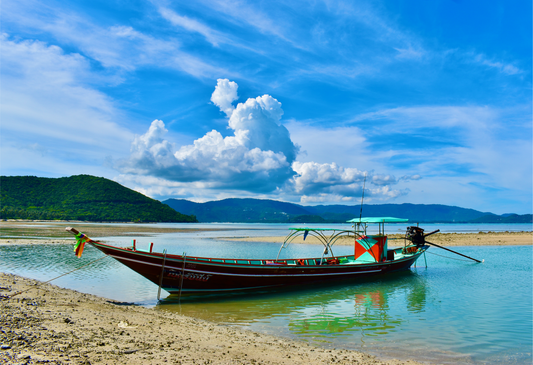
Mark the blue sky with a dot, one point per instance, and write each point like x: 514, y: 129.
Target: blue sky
x: 295, y: 101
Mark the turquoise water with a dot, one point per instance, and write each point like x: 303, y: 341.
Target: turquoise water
x: 452, y: 311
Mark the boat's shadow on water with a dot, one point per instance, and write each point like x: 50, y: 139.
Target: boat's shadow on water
x: 330, y: 307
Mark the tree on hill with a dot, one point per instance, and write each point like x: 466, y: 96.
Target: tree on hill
x: 81, y: 197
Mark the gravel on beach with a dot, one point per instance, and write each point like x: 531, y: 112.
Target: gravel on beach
x: 48, y: 324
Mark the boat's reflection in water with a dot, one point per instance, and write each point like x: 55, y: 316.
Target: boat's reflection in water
x: 320, y: 313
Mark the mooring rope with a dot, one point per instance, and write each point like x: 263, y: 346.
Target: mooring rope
x: 447, y: 257
x: 57, y: 277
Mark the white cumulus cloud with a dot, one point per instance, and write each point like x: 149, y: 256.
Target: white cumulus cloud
x: 382, y: 180
x: 257, y: 157
x: 330, y: 182
x: 316, y: 178
x: 224, y: 95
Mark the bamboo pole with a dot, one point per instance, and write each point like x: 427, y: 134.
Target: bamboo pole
x: 162, y: 272
x: 182, y: 273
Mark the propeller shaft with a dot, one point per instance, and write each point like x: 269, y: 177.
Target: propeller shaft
x: 447, y: 249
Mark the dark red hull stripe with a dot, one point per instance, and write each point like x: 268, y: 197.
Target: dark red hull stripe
x: 248, y: 274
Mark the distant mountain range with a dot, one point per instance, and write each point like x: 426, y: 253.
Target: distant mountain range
x: 96, y: 199
x: 272, y: 211
x: 81, y: 197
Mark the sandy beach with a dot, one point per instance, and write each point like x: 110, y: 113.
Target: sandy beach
x: 48, y: 324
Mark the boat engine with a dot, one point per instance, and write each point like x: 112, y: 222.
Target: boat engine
x: 415, y: 235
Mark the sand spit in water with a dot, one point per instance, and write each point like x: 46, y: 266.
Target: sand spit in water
x: 444, y: 239
x: 48, y: 324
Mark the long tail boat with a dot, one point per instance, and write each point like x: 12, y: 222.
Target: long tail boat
x: 187, y: 274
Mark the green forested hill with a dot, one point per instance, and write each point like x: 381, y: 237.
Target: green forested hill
x: 81, y: 197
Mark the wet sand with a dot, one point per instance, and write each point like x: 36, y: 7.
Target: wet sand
x: 56, y: 230
x: 48, y: 324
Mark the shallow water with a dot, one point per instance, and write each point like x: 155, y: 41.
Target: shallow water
x: 452, y: 311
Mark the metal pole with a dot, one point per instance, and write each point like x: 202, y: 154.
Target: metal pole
x: 362, y: 199
x: 162, y: 272
x: 182, y: 273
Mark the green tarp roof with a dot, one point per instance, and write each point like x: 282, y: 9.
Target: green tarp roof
x: 378, y: 220
x: 319, y: 229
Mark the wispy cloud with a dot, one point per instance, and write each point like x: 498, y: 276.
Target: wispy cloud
x: 499, y: 65
x: 250, y: 14
x: 459, y: 141
x: 49, y: 96
x: 191, y: 25
x: 118, y: 46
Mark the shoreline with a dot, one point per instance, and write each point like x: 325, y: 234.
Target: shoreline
x: 61, y: 326
x: 28, y: 232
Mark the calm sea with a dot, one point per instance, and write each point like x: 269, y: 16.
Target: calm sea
x: 452, y: 311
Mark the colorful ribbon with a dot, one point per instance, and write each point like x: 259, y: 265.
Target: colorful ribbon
x: 81, y: 239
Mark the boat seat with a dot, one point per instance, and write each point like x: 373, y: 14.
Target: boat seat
x: 269, y: 262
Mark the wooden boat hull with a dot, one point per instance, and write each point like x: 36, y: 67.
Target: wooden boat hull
x: 207, y: 275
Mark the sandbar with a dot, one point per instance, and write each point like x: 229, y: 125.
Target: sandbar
x: 56, y: 229
x: 444, y: 239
